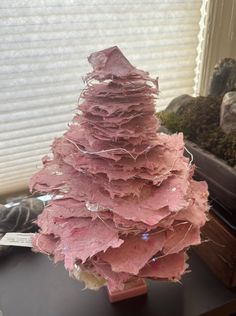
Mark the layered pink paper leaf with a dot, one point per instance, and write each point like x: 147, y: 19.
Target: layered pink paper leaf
x: 125, y: 204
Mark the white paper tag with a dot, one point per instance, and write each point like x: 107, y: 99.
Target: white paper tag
x: 17, y: 239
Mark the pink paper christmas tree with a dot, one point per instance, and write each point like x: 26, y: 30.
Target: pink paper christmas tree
x: 126, y: 205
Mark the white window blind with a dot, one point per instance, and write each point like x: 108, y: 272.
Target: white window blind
x: 43, y: 50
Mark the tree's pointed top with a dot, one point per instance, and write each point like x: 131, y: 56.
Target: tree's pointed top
x: 111, y: 61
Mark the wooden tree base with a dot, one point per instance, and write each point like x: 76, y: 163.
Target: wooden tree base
x: 132, y: 288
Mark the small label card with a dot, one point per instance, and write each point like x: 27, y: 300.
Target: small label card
x: 17, y: 239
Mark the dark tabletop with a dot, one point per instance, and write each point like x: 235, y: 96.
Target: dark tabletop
x: 31, y: 285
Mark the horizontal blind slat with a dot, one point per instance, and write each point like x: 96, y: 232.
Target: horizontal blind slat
x: 75, y: 9
x: 85, y: 47
x: 26, y: 165
x: 21, y: 155
x: 83, y: 34
x: 34, y: 131
x: 29, y: 140
x: 72, y: 3
x: 150, y: 52
x: 24, y: 148
x: 34, y: 159
x: 13, y: 25
x: 25, y: 123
